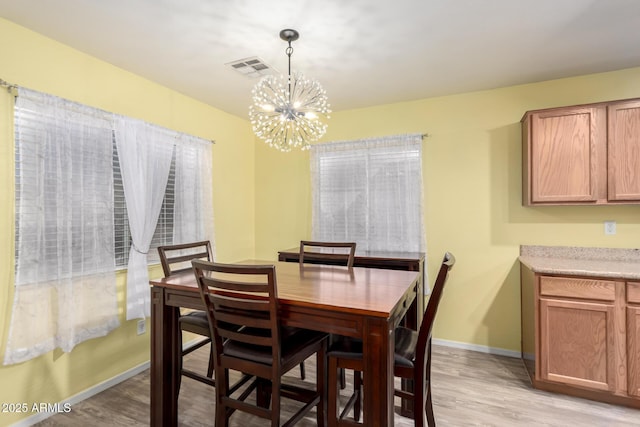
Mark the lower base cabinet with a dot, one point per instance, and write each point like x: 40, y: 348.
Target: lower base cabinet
x: 633, y: 342
x: 576, y: 344
x: 581, y: 336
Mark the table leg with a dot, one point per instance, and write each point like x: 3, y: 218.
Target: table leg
x: 378, y: 373
x: 412, y: 320
x: 164, y: 375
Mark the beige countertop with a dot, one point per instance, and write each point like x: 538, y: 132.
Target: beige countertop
x: 577, y: 261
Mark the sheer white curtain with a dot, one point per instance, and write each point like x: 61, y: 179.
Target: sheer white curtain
x: 145, y: 152
x: 369, y: 191
x: 193, y: 208
x: 65, y: 286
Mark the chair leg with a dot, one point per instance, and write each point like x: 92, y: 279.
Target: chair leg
x: 275, y: 399
x: 222, y: 386
x: 302, y: 372
x: 210, y: 368
x: 263, y: 393
x: 321, y: 385
x: 180, y: 357
x: 431, y: 421
x: 343, y: 379
x: 357, y: 389
x: 332, y: 391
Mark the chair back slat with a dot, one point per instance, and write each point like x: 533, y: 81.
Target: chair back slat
x: 239, y: 316
x: 338, y: 253
x: 243, y: 336
x: 176, y: 258
x: 188, y: 257
x: 258, y: 290
x: 229, y: 303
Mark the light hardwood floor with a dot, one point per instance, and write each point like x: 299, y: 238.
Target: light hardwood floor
x: 469, y: 389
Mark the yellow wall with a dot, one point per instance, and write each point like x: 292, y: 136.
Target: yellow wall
x: 283, y: 200
x: 39, y: 63
x: 472, y: 175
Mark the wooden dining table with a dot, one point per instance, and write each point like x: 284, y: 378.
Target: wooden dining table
x: 365, y: 303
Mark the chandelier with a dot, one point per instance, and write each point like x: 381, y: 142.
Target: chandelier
x: 288, y: 112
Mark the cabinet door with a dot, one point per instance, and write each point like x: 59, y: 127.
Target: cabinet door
x: 577, y: 343
x: 633, y: 338
x: 633, y: 350
x: 567, y: 157
x: 624, y: 151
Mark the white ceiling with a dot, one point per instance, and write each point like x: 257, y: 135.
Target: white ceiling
x: 363, y: 52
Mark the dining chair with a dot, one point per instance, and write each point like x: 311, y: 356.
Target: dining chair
x: 412, y: 361
x: 176, y: 259
x: 334, y: 253
x: 242, y: 307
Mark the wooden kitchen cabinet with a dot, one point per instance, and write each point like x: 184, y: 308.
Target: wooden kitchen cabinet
x: 633, y: 338
x: 587, y: 154
x: 624, y: 151
x: 577, y: 336
x: 584, y: 334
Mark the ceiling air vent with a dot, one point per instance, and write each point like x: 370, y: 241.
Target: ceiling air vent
x: 253, y: 67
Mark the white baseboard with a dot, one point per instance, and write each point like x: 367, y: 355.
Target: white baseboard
x: 68, y: 403
x: 479, y: 348
x: 92, y: 391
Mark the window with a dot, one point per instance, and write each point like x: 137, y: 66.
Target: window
x: 370, y: 192
x: 72, y: 228
x: 122, y: 238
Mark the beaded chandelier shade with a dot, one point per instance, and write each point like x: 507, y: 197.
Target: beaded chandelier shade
x: 288, y: 112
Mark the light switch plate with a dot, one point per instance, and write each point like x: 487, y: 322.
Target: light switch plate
x: 609, y: 227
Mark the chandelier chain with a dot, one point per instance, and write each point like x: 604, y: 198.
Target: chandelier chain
x: 289, y: 51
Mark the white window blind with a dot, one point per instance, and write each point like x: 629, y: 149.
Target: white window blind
x: 193, y: 188
x: 369, y: 191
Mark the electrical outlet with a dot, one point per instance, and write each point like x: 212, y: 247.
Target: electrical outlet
x: 609, y: 227
x: 142, y: 326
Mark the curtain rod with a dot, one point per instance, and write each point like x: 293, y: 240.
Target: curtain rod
x: 11, y: 88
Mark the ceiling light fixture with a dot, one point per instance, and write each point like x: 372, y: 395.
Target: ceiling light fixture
x: 288, y: 113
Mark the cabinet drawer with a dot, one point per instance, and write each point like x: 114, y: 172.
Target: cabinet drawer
x: 578, y: 288
x: 633, y: 292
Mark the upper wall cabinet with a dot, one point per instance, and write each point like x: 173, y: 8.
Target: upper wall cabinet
x: 582, y: 155
x: 624, y: 151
